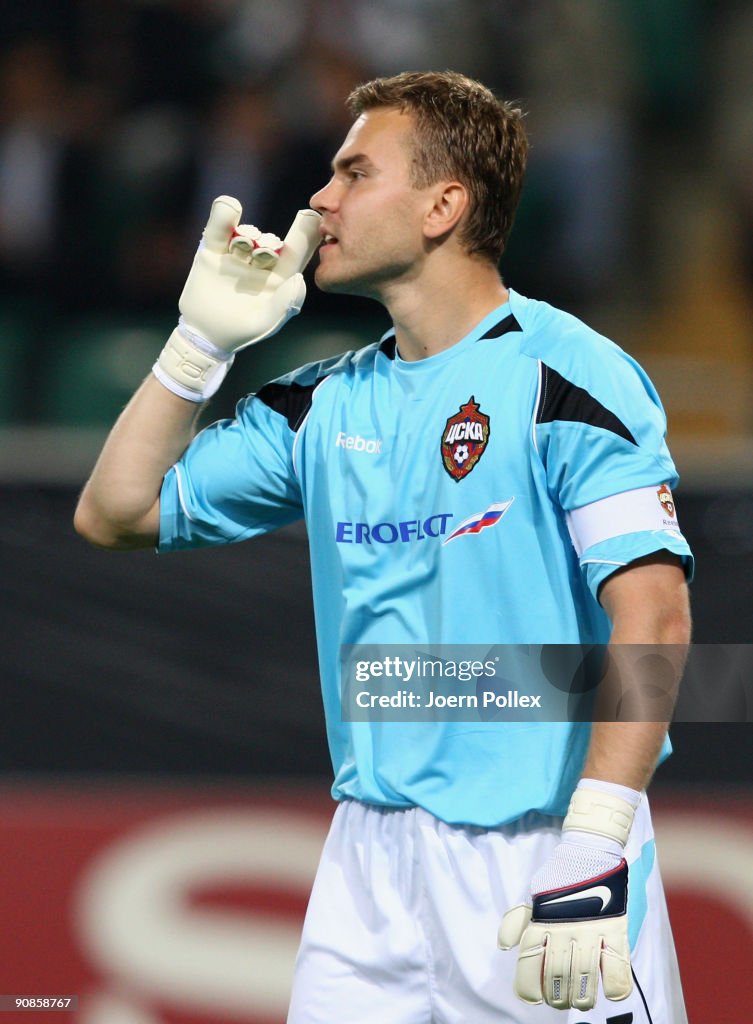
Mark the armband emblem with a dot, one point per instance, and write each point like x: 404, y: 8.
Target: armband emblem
x: 667, y: 501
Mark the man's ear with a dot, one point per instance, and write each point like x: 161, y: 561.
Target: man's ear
x: 450, y: 202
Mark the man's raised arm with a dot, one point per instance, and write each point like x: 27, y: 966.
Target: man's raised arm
x: 243, y: 287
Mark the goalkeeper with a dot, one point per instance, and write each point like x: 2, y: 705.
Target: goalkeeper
x: 491, y: 471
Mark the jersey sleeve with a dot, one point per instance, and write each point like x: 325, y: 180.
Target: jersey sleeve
x: 599, y: 429
x: 236, y: 480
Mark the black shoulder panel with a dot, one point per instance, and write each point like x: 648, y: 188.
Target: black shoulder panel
x: 388, y: 346
x: 292, y: 401
x: 562, y: 400
x: 504, y: 326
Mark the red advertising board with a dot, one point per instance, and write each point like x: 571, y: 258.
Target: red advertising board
x: 179, y: 906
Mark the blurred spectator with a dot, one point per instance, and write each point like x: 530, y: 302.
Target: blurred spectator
x: 33, y: 102
x: 732, y: 146
x: 234, y: 152
x: 572, y: 239
x: 144, y: 198
x: 170, y: 166
x: 56, y: 240
x: 159, y: 56
x: 257, y: 38
x: 316, y: 120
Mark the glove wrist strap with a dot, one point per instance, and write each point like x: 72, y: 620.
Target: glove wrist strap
x: 202, y: 344
x: 189, y: 364
x: 599, y: 813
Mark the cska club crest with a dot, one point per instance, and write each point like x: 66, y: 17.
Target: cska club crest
x: 464, y: 439
x: 667, y: 501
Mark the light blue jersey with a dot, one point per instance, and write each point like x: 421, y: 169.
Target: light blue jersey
x: 438, y: 497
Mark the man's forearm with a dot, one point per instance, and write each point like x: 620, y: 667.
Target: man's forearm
x: 648, y: 607
x: 633, y: 710
x: 119, y: 506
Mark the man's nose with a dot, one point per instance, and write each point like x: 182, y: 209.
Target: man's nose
x: 325, y: 199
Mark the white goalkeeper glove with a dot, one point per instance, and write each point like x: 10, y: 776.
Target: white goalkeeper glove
x: 243, y: 287
x: 576, y: 927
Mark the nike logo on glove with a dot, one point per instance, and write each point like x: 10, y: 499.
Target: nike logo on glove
x: 600, y: 892
x: 604, y: 896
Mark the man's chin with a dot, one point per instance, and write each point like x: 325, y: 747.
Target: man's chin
x: 334, y: 285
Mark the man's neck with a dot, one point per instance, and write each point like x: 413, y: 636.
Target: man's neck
x: 431, y: 315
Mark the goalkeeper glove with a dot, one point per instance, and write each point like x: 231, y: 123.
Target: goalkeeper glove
x: 243, y: 287
x: 577, y: 924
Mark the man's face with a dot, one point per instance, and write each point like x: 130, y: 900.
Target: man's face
x: 371, y: 214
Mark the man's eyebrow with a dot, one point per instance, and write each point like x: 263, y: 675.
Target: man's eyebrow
x: 345, y: 163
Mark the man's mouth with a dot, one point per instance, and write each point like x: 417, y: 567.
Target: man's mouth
x: 327, y: 242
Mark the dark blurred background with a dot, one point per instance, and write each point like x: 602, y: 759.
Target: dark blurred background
x: 119, y: 122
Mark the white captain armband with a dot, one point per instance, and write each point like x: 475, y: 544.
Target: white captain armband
x: 643, y: 509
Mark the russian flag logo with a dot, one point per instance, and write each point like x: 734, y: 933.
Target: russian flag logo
x: 481, y: 520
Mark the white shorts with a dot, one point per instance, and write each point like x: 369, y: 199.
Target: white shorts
x: 402, y: 925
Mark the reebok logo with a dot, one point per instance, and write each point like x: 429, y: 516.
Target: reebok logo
x: 356, y: 443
